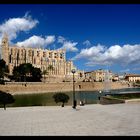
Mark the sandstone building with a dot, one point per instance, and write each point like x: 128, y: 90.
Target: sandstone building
x: 98, y: 75
x: 40, y: 58
x: 132, y: 77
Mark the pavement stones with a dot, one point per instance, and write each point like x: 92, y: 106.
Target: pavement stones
x: 88, y: 120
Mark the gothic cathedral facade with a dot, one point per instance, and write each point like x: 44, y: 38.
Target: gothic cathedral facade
x: 40, y: 58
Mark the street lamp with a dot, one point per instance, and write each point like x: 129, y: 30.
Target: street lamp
x: 99, y: 96
x: 74, y: 101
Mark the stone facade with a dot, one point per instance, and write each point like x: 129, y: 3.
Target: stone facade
x: 132, y: 77
x: 40, y: 58
x: 98, y: 75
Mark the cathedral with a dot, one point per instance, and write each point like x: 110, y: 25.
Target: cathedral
x: 40, y: 58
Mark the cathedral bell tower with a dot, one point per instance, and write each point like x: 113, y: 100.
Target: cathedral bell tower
x: 5, y: 48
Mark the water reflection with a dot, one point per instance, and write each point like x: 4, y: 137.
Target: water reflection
x: 45, y: 99
x: 91, y: 97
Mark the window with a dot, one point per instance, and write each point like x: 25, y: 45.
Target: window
x: 44, y: 54
x: 10, y: 58
x: 34, y: 61
x: 41, y: 60
x: 21, y: 52
x: 61, y: 55
x: 11, y: 51
x: 50, y: 54
x: 55, y: 55
x: 37, y: 53
x: 30, y: 53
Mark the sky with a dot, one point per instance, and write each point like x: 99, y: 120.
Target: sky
x: 95, y: 36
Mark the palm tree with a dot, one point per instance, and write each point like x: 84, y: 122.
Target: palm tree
x: 50, y: 67
x: 45, y: 72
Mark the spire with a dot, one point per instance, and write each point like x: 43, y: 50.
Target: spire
x: 64, y: 49
x: 5, y: 36
x: 5, y: 40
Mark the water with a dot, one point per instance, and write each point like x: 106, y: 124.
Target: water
x: 45, y: 99
x: 117, y: 91
x: 93, y: 96
x: 88, y: 97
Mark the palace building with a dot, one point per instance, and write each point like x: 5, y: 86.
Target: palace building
x: 132, y: 77
x: 99, y: 75
x: 40, y: 58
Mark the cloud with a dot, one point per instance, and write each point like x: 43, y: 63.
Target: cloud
x: 61, y: 39
x: 13, y: 26
x: 90, y: 52
x: 87, y: 43
x: 101, y: 55
x: 37, y: 41
x: 68, y: 45
x: 49, y: 39
x: 136, y: 69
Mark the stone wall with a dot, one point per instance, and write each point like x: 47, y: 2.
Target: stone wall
x: 40, y: 87
x: 104, y: 100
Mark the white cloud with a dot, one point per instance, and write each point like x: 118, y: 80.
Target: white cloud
x: 49, y: 39
x: 90, y: 52
x: 61, y: 39
x: 37, y: 41
x: 68, y: 45
x: 13, y: 26
x: 100, y: 55
x: 87, y: 43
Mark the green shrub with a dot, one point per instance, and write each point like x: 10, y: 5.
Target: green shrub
x: 6, y: 98
x: 61, y: 97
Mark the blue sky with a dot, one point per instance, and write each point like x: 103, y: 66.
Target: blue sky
x: 95, y: 36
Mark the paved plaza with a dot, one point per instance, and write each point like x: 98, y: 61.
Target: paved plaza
x: 88, y: 120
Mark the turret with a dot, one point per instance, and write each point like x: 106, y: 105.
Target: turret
x: 5, y: 40
x: 5, y: 48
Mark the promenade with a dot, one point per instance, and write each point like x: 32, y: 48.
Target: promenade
x: 88, y: 120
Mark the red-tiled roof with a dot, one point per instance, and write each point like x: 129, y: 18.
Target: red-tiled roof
x: 132, y: 75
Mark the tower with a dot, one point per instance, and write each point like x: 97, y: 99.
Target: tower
x: 5, y: 48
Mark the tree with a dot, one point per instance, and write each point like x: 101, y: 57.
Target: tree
x: 26, y: 72
x: 3, y: 68
x: 22, y: 71
x: 6, y: 98
x: 17, y: 74
x: 61, y: 97
x: 26, y: 69
x: 36, y: 74
x: 50, y: 67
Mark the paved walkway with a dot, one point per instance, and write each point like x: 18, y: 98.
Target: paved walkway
x: 93, y: 120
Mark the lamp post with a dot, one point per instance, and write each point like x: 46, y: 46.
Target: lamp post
x: 74, y: 101
x: 99, y: 96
